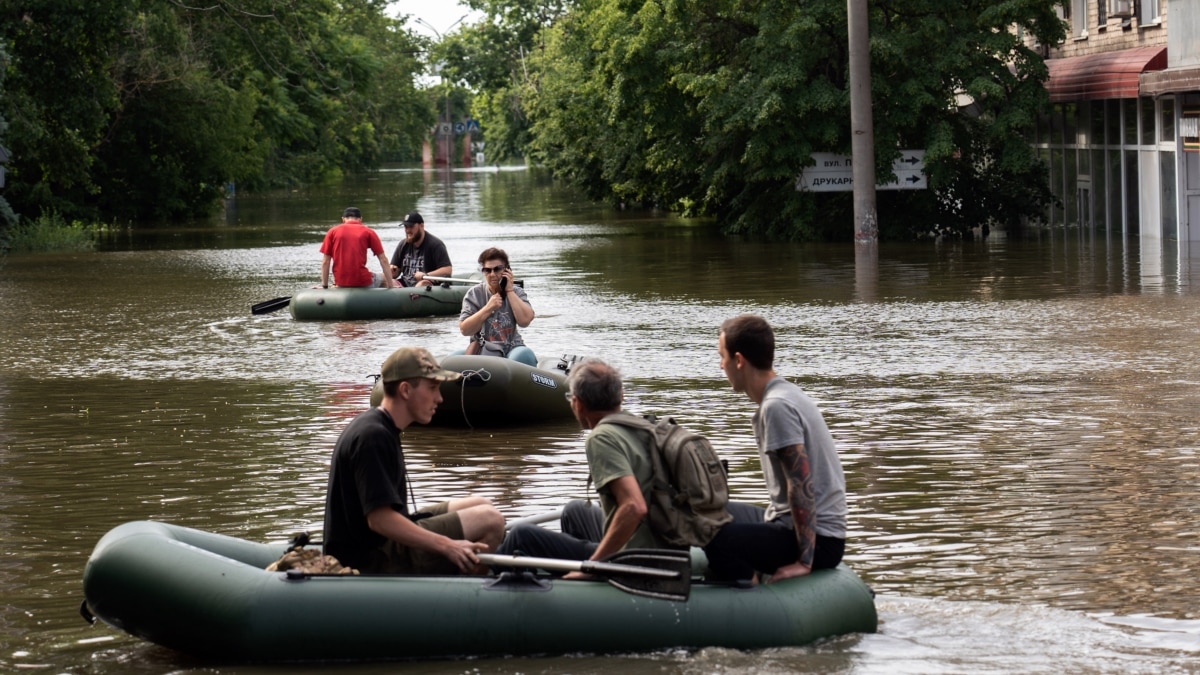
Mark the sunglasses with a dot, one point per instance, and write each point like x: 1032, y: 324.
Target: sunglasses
x: 488, y: 270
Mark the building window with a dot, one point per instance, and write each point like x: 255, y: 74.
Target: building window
x: 1149, y: 13
x: 1101, y: 13
x: 1074, y: 12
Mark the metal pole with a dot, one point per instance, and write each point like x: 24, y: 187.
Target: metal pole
x: 449, y: 136
x: 862, y: 126
x: 449, y: 127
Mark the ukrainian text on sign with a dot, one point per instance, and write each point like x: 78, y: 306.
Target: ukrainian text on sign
x: 833, y: 173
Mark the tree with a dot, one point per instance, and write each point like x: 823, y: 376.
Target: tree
x: 713, y: 107
x: 493, y: 58
x: 155, y: 106
x: 8, y: 219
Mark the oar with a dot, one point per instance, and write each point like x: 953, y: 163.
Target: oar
x: 456, y: 280
x: 665, y: 574
x: 270, y: 305
x: 453, y: 280
x: 536, y: 519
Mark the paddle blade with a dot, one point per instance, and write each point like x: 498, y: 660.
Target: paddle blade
x: 269, y: 306
x: 629, y: 570
x: 654, y: 573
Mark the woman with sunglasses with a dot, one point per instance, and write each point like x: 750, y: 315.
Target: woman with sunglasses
x: 494, y: 310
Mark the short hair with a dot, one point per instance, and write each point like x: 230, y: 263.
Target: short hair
x: 390, y: 388
x: 751, y: 336
x: 493, y: 253
x: 352, y: 212
x: 596, y: 384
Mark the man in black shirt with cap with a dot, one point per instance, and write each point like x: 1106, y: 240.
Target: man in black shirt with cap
x: 420, y: 255
x: 368, y: 525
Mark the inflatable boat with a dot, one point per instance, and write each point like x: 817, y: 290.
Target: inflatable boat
x: 210, y: 596
x: 495, y: 391
x: 346, y: 304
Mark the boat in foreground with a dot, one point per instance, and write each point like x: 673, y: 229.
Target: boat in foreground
x: 209, y: 595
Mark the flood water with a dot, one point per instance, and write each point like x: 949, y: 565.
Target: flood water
x: 1018, y: 418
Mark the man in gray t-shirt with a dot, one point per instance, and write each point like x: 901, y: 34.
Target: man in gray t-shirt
x: 804, y: 527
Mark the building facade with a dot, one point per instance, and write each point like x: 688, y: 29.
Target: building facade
x: 1123, y: 139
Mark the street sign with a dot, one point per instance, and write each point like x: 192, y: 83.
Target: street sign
x: 835, y: 173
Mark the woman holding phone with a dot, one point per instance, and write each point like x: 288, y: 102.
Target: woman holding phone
x: 494, y: 310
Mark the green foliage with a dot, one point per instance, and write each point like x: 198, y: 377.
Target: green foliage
x: 713, y: 107
x: 495, y: 57
x: 145, y: 110
x: 50, y: 233
x: 8, y: 219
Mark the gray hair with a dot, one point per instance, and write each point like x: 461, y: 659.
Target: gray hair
x: 596, y: 384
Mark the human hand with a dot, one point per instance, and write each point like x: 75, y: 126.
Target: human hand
x: 578, y: 576
x: 462, y: 553
x: 795, y: 569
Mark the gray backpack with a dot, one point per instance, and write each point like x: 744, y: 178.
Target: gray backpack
x: 689, y: 492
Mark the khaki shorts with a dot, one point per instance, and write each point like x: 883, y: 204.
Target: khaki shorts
x: 399, y: 559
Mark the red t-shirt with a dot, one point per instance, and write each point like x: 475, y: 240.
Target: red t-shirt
x: 347, y: 244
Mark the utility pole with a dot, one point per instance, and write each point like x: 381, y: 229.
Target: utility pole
x: 448, y: 137
x: 862, y: 125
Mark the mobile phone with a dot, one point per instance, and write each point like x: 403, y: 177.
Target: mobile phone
x: 503, y: 283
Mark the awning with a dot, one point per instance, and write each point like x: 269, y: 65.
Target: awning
x: 1104, y: 75
x: 1171, y: 81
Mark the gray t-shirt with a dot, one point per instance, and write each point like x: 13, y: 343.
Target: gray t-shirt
x: 501, y: 326
x: 786, y: 417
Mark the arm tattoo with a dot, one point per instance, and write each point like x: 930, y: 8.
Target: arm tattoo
x: 794, y: 459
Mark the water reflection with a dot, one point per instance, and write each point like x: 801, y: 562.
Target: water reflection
x: 1017, y: 417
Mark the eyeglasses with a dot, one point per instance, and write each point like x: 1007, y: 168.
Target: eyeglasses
x: 489, y: 270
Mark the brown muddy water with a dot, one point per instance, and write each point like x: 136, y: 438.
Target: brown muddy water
x: 1018, y: 418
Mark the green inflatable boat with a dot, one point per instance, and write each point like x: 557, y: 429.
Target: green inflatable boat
x: 210, y: 596
x: 347, y: 304
x: 495, y: 392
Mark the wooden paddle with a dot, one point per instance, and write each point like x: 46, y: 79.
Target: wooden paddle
x: 269, y: 306
x: 665, y: 574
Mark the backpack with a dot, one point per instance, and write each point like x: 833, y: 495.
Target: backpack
x: 689, y: 492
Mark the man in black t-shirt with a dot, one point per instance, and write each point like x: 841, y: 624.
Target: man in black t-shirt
x: 420, y: 255
x: 367, y: 522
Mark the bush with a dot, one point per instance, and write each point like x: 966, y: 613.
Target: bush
x: 50, y: 233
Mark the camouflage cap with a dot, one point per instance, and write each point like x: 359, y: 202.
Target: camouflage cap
x: 409, y: 362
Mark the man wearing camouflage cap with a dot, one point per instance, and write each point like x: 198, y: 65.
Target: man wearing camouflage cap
x: 368, y: 525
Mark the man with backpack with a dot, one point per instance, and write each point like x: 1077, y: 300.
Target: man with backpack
x: 621, y: 465
x: 804, y: 527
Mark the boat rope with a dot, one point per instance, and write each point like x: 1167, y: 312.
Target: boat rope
x: 483, y: 376
x: 417, y: 296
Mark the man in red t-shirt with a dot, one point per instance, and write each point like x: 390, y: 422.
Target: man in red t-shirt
x: 346, y: 246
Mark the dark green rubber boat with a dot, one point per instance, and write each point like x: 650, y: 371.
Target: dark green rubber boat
x: 495, y: 392
x: 210, y: 596
x: 347, y: 304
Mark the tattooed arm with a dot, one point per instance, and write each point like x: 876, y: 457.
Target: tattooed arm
x: 794, y: 459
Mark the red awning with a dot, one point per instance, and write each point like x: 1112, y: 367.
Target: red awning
x: 1105, y: 75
